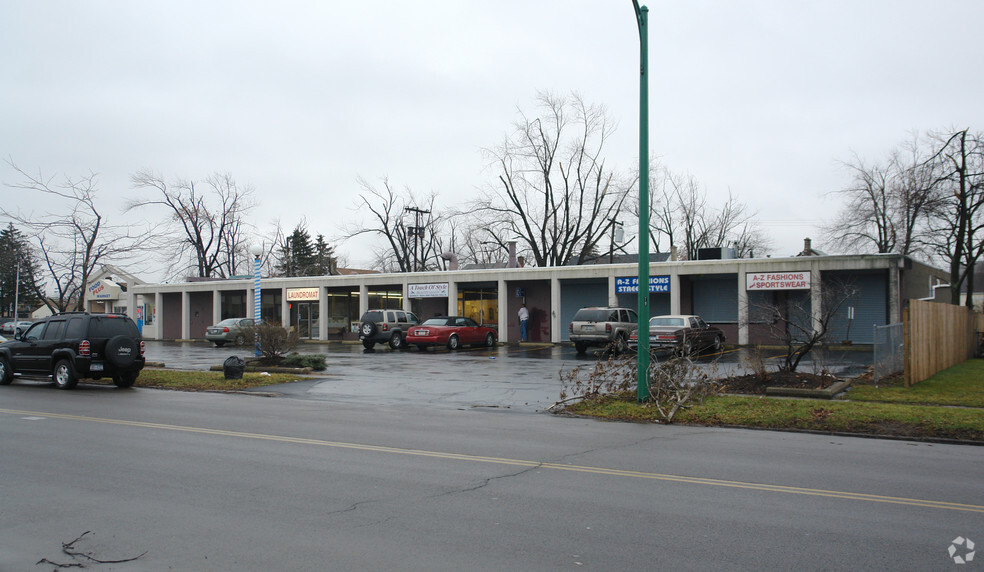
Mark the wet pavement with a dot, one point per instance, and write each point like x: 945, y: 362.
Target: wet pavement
x: 513, y: 377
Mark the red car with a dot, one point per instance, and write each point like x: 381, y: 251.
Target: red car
x: 451, y: 331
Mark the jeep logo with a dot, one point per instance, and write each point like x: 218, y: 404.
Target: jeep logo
x: 123, y: 352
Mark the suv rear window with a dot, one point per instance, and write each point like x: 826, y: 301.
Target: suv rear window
x: 592, y: 315
x: 373, y: 316
x: 105, y: 327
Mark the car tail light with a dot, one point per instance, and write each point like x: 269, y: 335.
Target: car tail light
x: 608, y: 328
x: 665, y: 337
x: 571, y: 327
x: 84, y: 348
x: 225, y: 330
x: 386, y: 327
x: 141, y: 348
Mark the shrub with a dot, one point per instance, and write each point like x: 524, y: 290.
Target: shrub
x: 314, y: 361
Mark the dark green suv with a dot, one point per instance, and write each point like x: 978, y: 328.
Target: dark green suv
x: 74, y: 345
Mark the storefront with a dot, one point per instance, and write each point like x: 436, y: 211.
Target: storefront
x: 731, y: 293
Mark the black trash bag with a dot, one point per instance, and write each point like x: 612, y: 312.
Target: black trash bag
x: 233, y: 367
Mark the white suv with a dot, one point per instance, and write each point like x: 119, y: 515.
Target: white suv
x: 604, y: 327
x: 390, y: 326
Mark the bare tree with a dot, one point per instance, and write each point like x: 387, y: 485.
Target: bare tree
x: 411, y: 226
x: 957, y: 221
x: 680, y: 213
x: 887, y: 203
x: 72, y: 243
x: 792, y: 321
x: 554, y: 193
x: 208, y: 222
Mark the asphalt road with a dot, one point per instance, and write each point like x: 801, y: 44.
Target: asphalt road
x: 236, y: 482
x: 515, y: 377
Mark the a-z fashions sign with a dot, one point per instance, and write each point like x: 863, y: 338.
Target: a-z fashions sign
x: 778, y: 281
x: 630, y: 285
x: 302, y: 294
x: 438, y: 290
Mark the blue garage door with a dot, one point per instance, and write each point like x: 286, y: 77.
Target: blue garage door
x: 716, y: 298
x: 577, y: 295
x: 870, y: 303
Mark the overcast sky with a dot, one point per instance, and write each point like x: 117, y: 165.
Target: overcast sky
x: 300, y: 99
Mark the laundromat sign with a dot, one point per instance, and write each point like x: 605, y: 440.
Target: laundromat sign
x: 303, y: 294
x: 778, y: 281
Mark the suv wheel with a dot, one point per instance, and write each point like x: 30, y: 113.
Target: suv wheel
x: 6, y: 376
x: 368, y: 344
x: 64, y: 375
x: 396, y: 341
x: 581, y: 348
x: 619, y: 345
x: 125, y: 379
x: 368, y: 329
x: 453, y: 342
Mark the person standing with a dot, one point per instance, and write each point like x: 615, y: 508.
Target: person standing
x: 524, y: 320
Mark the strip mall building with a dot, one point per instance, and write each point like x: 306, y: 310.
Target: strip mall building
x: 725, y: 293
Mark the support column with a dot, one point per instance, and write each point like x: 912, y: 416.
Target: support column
x: 284, y: 309
x: 185, y: 315
x: 503, y: 311
x: 675, y: 293
x: 363, y: 300
x: 216, y: 306
x: 742, y: 307
x: 322, y: 313
x: 452, y: 298
x: 555, y: 327
x: 816, y: 296
x: 612, y: 294
x: 250, y: 296
x: 895, y: 294
x: 406, y: 296
x: 158, y: 315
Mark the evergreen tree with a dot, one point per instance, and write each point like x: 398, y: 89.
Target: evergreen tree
x: 296, y: 255
x: 324, y: 255
x: 14, y: 249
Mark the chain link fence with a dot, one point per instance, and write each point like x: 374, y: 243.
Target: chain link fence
x: 888, y: 350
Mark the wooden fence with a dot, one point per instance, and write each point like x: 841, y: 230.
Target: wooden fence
x: 937, y: 336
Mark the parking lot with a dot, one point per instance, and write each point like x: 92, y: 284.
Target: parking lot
x: 513, y: 377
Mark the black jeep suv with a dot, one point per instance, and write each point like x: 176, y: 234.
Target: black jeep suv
x: 75, y: 345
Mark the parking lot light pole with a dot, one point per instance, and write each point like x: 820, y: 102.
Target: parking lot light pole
x: 642, y: 351
x: 256, y: 250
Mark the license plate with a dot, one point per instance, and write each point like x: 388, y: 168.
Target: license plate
x: 588, y: 328
x: 96, y: 367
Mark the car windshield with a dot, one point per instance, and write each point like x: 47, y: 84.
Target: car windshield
x: 436, y: 322
x: 229, y: 322
x: 664, y: 321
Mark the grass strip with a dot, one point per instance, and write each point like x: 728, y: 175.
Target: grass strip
x: 912, y: 421
x: 961, y: 385
x: 184, y: 380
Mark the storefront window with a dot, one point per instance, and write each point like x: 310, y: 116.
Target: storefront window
x: 385, y: 300
x: 270, y: 309
x: 480, y: 304
x: 233, y: 304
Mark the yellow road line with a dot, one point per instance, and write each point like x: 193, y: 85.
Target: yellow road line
x: 518, y: 462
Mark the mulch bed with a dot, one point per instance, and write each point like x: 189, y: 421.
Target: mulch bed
x: 756, y: 384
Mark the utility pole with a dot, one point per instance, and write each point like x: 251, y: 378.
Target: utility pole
x: 417, y: 231
x: 642, y: 355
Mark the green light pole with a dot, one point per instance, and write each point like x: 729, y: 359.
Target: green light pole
x: 642, y: 354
